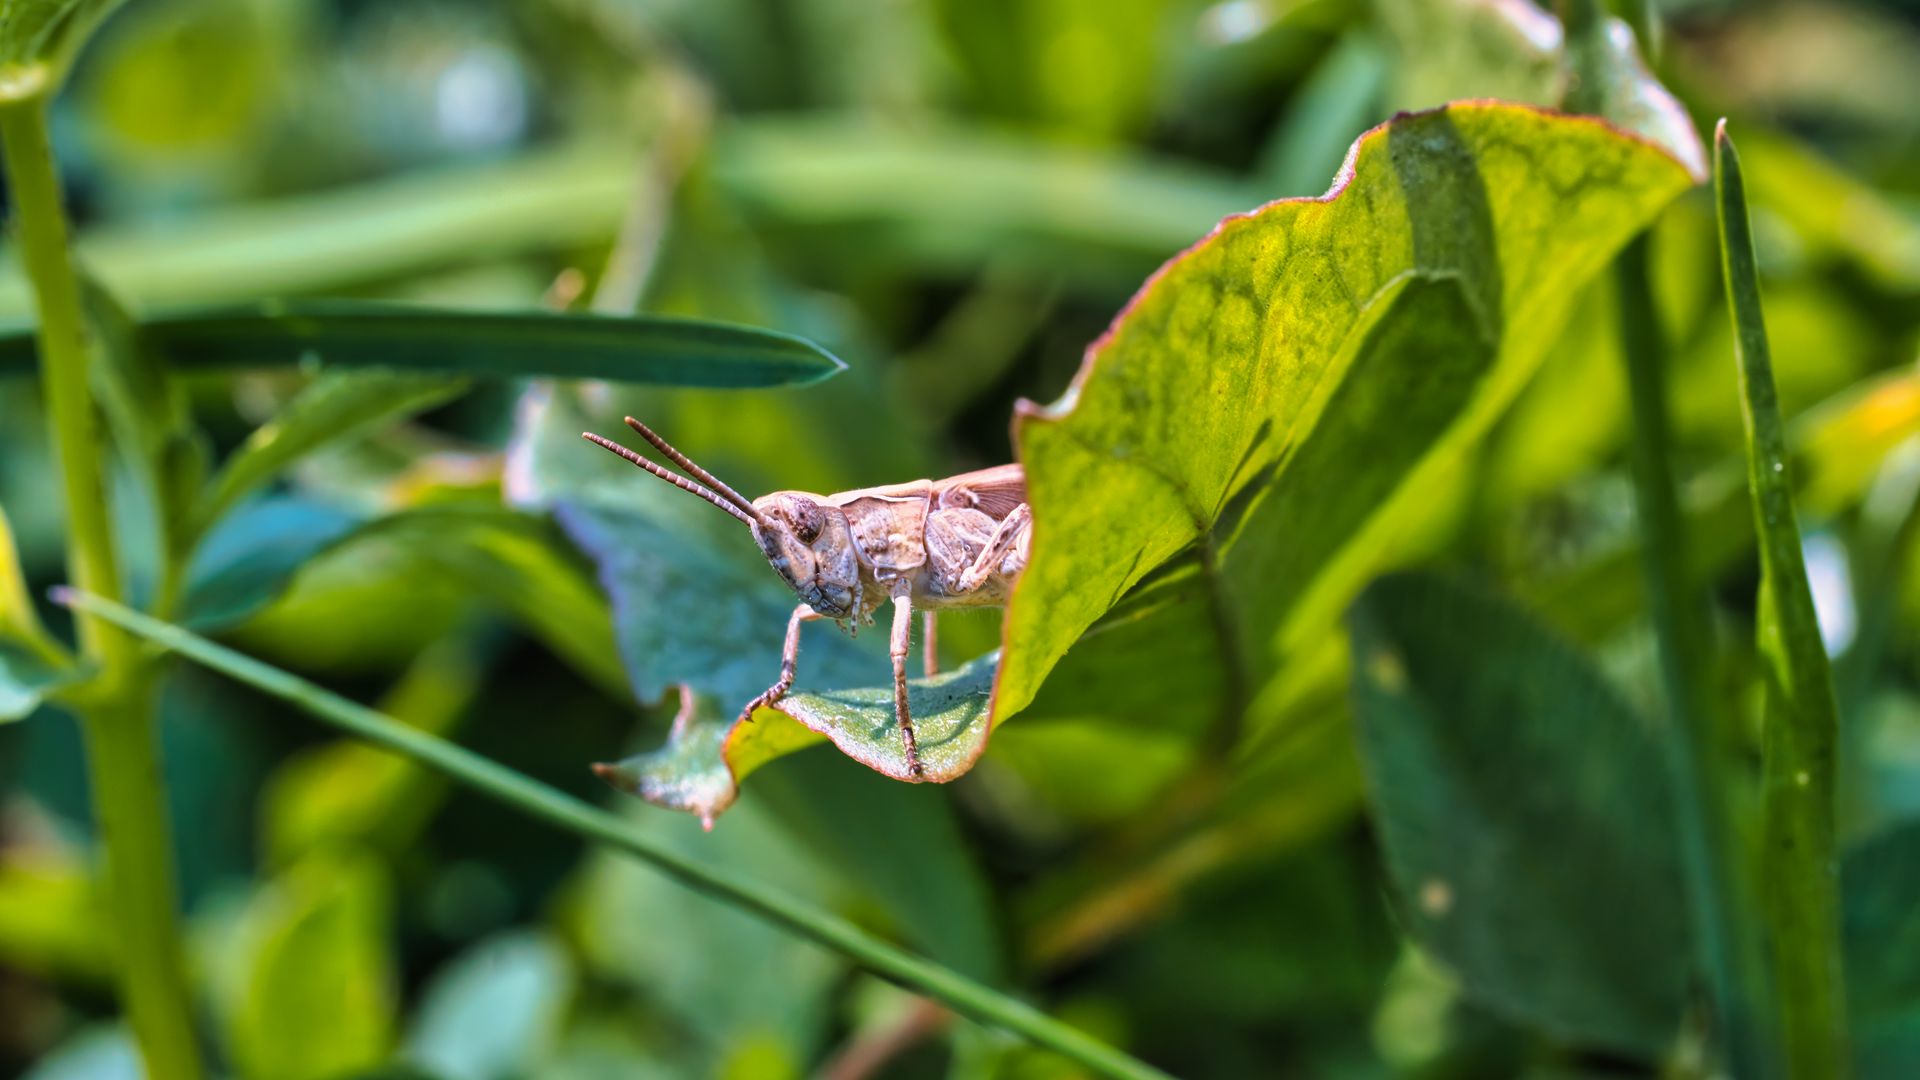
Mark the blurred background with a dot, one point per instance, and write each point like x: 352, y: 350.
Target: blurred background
x: 955, y: 196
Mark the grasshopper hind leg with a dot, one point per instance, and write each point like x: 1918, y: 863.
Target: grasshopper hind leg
x: 902, y: 641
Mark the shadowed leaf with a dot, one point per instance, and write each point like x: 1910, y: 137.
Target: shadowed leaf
x: 1525, y: 813
x: 250, y: 557
x: 27, y: 677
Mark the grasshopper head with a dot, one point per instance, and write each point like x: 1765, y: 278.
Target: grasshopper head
x: 809, y: 545
x: 811, y: 548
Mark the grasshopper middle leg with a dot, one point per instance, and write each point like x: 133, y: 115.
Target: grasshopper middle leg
x: 789, y: 659
x: 902, y: 640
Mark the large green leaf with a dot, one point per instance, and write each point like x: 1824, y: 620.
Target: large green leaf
x: 1306, y: 361
x: 649, y: 349
x: 1525, y: 813
x: 1272, y: 399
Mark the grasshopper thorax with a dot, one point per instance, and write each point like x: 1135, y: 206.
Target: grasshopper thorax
x: 811, y: 547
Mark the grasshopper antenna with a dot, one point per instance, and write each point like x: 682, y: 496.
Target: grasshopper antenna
x: 744, y: 512
x: 687, y: 463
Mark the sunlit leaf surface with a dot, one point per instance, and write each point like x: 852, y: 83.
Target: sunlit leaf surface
x: 1301, y: 364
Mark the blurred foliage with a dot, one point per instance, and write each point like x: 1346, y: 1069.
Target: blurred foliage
x: 956, y: 198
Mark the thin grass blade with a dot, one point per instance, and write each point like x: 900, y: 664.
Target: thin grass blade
x: 637, y: 349
x: 559, y: 809
x: 1800, y: 868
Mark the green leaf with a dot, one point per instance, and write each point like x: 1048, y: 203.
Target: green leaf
x: 51, y: 907
x: 1800, y: 868
x: 1525, y: 814
x: 17, y: 616
x: 252, y: 555
x: 1450, y: 49
x: 336, y: 407
x: 494, y: 1011
x: 32, y: 664
x: 309, y: 990
x: 396, y: 337
x: 522, y: 565
x: 1301, y: 364
x: 28, y: 677
x: 1882, y: 919
x: 39, y: 38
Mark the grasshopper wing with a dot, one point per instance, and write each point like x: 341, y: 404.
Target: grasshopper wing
x: 994, y: 492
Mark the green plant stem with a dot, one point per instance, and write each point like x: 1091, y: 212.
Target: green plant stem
x: 563, y: 811
x: 117, y: 714
x: 1801, y: 868
x: 1726, y: 927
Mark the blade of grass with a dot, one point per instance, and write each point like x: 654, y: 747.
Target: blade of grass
x: 1800, y: 871
x: 566, y: 812
x: 645, y: 349
x: 1726, y: 928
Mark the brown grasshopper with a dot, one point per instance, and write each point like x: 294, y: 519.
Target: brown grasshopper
x: 931, y: 544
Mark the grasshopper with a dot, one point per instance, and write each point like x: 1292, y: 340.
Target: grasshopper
x: 927, y: 544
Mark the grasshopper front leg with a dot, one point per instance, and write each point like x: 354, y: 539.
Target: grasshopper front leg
x: 902, y: 641
x: 789, y: 659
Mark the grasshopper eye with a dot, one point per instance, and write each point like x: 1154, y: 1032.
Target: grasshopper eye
x: 807, y: 520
